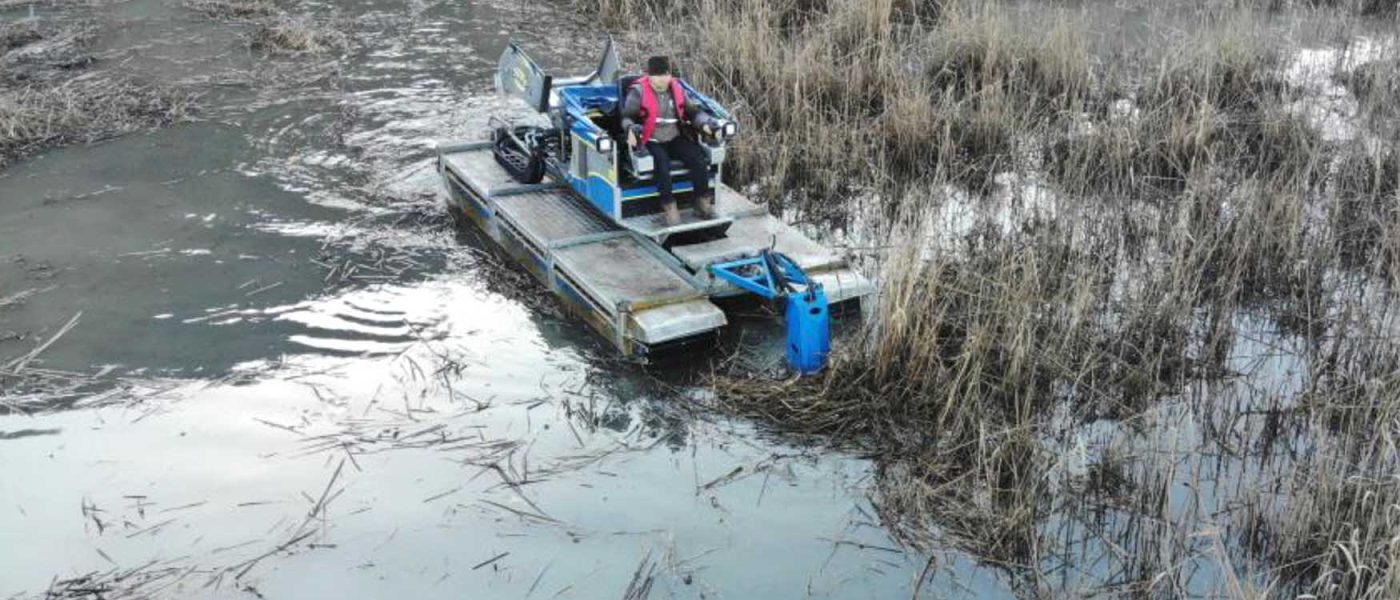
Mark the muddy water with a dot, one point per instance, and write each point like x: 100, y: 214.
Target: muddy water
x: 421, y: 428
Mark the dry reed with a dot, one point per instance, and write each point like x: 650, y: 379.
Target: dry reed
x: 47, y: 98
x: 1195, y: 211
x: 232, y: 10
x: 286, y: 34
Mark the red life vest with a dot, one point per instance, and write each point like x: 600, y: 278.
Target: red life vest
x: 651, y: 112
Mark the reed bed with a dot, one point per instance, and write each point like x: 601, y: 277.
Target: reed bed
x: 34, y: 49
x: 1198, y: 279
x: 14, y: 34
x: 845, y: 96
x: 232, y: 10
x: 299, y: 34
x: 84, y: 110
x: 274, y: 30
x: 49, y: 96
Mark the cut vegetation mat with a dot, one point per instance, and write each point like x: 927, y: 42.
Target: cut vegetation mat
x: 84, y: 109
x: 50, y: 94
x: 276, y: 31
x: 301, y: 34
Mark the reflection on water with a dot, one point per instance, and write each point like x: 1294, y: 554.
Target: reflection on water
x: 378, y: 410
x: 472, y: 439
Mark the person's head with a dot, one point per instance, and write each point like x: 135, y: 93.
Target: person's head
x: 659, y: 73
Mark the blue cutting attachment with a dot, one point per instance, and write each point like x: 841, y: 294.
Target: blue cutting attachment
x: 773, y: 275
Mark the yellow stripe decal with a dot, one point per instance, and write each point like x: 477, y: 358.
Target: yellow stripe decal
x: 611, y: 178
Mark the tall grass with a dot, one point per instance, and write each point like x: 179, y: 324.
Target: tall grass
x: 845, y: 95
x: 863, y: 97
x: 1195, y: 215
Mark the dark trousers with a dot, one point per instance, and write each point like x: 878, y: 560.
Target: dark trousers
x: 689, y: 152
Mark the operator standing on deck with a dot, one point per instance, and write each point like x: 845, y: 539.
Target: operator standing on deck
x: 656, y: 106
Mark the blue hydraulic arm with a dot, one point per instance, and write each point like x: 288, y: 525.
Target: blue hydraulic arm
x: 773, y: 275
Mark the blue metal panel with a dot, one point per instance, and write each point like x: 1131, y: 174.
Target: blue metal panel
x: 586, y: 129
x: 475, y: 206
x: 751, y: 274
x: 579, y: 184
x: 648, y: 191
x: 572, y: 295
x: 808, y: 330
x: 601, y: 194
x: 598, y: 183
x: 578, y: 100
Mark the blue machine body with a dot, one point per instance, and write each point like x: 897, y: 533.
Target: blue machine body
x: 595, y: 176
x: 808, y: 331
x: 591, y: 158
x: 773, y: 275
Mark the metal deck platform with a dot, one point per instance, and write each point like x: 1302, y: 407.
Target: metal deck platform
x: 628, y: 287
x: 550, y: 216
x: 654, y: 226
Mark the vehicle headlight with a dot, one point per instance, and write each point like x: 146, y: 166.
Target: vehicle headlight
x: 729, y: 129
x: 604, y: 144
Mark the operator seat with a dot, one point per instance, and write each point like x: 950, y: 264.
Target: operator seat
x: 638, y: 163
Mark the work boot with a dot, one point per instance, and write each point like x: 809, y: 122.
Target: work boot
x: 671, y: 214
x: 705, y: 206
